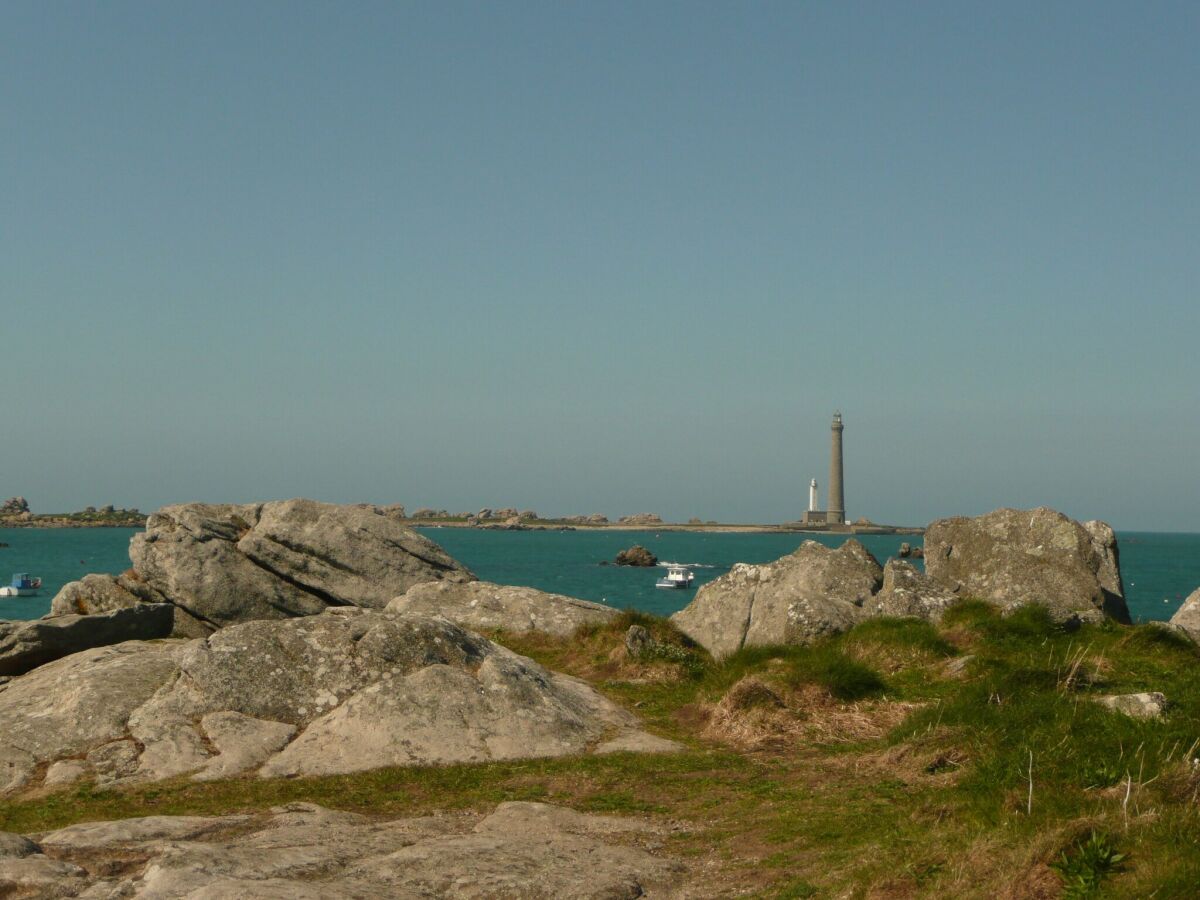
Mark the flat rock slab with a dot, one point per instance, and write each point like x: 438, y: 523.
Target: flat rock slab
x: 521, y: 850
x: 26, y: 645
x: 482, y: 605
x: 118, y: 833
x: 1147, y: 705
x: 346, y: 691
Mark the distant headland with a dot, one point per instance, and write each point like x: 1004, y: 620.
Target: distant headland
x: 15, y: 513
x: 528, y: 520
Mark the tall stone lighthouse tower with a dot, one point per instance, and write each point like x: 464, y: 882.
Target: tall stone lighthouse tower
x: 837, y: 500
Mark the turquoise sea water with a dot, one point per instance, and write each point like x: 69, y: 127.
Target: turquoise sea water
x: 1160, y: 570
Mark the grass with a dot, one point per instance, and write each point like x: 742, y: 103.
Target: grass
x: 1086, y: 865
x: 939, y: 805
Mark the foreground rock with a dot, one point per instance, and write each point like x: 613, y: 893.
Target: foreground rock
x: 908, y: 592
x: 221, y: 564
x: 346, y: 691
x: 1187, y: 617
x: 526, y: 850
x: 78, y: 706
x: 1014, y: 557
x: 637, y: 555
x: 27, y: 645
x: 482, y: 605
x: 813, y: 592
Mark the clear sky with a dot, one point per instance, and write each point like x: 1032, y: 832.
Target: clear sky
x: 603, y: 257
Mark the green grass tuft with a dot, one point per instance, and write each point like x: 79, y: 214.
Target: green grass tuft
x: 914, y: 634
x: 845, y: 678
x: 1089, y: 862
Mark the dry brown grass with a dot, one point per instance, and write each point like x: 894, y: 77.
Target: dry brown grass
x: 756, y: 714
x: 938, y: 757
x: 1016, y: 872
x: 597, y: 654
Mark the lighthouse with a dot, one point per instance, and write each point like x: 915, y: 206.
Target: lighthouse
x: 837, y: 501
x: 812, y: 496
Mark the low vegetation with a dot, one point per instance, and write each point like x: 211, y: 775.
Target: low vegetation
x: 897, y: 760
x: 105, y: 517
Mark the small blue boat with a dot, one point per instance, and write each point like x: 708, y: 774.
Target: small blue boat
x: 23, y: 585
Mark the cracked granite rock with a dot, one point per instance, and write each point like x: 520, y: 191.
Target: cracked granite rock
x: 345, y: 691
x: 810, y: 593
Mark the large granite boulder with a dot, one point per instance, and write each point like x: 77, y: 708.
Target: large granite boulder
x: 345, y: 691
x: 27, y: 645
x: 1014, y: 557
x: 907, y: 591
x: 306, y: 851
x: 486, y: 606
x: 1187, y: 617
x: 222, y: 564
x: 810, y: 593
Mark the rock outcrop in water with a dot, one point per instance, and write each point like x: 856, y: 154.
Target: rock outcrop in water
x: 345, y: 691
x: 1014, y: 557
x: 308, y: 852
x: 637, y: 555
x: 482, y: 605
x: 222, y: 564
x: 813, y: 592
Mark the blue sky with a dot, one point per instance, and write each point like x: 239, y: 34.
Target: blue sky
x: 603, y: 257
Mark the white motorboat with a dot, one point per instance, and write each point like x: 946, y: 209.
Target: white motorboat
x: 677, y: 577
x: 22, y: 586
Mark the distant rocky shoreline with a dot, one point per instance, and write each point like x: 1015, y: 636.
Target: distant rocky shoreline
x: 15, y: 513
x: 70, y: 521
x: 528, y: 520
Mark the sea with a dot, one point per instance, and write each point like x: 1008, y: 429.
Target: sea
x: 1159, y: 569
